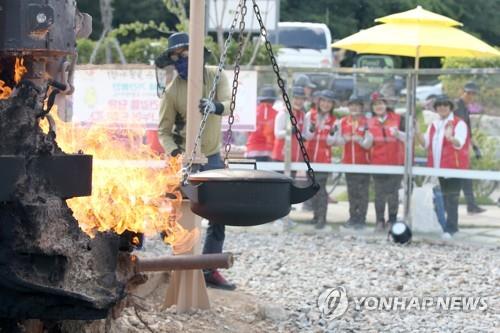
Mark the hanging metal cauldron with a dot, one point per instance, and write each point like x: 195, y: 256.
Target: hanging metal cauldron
x: 242, y: 197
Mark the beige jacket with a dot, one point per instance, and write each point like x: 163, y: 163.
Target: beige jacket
x: 172, y: 126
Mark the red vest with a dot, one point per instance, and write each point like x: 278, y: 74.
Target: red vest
x: 279, y: 144
x: 353, y: 152
x: 317, y: 148
x: 386, y: 149
x: 262, y: 139
x: 451, y: 157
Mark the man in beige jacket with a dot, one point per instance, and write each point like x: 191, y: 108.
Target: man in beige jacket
x: 172, y: 129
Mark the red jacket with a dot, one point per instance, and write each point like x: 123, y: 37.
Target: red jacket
x: 353, y: 152
x: 386, y: 148
x: 451, y: 157
x: 317, y: 148
x: 279, y: 144
x: 262, y: 139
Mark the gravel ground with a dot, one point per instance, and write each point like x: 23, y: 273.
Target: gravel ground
x: 280, y: 276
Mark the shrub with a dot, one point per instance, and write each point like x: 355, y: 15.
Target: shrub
x: 489, y: 85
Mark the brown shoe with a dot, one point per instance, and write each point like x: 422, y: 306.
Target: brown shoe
x: 214, y: 279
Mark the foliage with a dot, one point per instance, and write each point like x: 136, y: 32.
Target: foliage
x: 138, y: 28
x: 125, y: 11
x: 144, y: 50
x: 489, y: 85
x: 342, y: 17
x: 261, y: 58
x: 84, y: 48
x: 141, y: 50
x: 489, y: 148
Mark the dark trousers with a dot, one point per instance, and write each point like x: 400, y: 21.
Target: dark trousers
x: 468, y: 193
x: 319, y: 202
x: 451, y: 193
x: 357, y: 191
x: 386, y: 192
x: 214, y: 240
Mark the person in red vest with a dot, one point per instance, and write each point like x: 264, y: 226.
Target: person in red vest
x: 353, y: 134
x: 387, y: 149
x: 298, y: 100
x: 448, y: 142
x: 260, y: 142
x: 319, y: 131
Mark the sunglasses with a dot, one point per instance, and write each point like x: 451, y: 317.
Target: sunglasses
x: 178, y: 55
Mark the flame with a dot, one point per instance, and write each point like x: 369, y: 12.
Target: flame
x: 129, y: 184
x: 5, y: 91
x: 19, y: 70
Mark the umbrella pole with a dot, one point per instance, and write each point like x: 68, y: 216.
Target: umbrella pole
x: 412, y: 83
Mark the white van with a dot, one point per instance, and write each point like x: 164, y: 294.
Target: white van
x: 303, y: 44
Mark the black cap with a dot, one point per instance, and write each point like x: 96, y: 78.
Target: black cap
x: 304, y: 81
x: 267, y: 93
x: 298, y: 91
x: 471, y: 87
x: 328, y: 95
x: 443, y: 100
x: 177, y: 40
x: 355, y: 100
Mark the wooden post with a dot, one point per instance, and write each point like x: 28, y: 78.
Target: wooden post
x: 195, y: 74
x: 187, y: 288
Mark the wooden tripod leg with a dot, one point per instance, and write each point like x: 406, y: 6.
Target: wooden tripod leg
x: 187, y: 289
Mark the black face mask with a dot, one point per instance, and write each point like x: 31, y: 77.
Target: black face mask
x: 181, y: 66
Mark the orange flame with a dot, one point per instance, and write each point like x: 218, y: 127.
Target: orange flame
x: 129, y: 184
x: 5, y: 91
x: 19, y: 70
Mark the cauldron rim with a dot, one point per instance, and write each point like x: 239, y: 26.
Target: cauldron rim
x: 239, y: 175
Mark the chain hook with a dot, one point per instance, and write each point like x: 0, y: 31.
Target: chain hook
x: 232, y: 106
x: 286, y: 99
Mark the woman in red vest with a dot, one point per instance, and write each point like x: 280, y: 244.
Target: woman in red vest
x: 353, y: 134
x: 298, y: 100
x: 447, y: 141
x: 261, y: 141
x: 387, y: 149
x: 319, y: 130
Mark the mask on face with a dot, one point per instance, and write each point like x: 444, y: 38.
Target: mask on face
x: 181, y: 66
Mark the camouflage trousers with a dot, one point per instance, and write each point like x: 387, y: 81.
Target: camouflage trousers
x: 319, y: 202
x: 357, y: 191
x: 386, y: 193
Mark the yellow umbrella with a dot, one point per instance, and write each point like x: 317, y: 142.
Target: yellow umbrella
x: 417, y: 33
x: 419, y: 15
x: 417, y: 40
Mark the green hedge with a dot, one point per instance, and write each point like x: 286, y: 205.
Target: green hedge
x: 139, y: 51
x: 489, y: 85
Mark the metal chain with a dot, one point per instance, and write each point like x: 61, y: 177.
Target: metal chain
x: 227, y: 147
x: 186, y: 171
x: 286, y: 99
